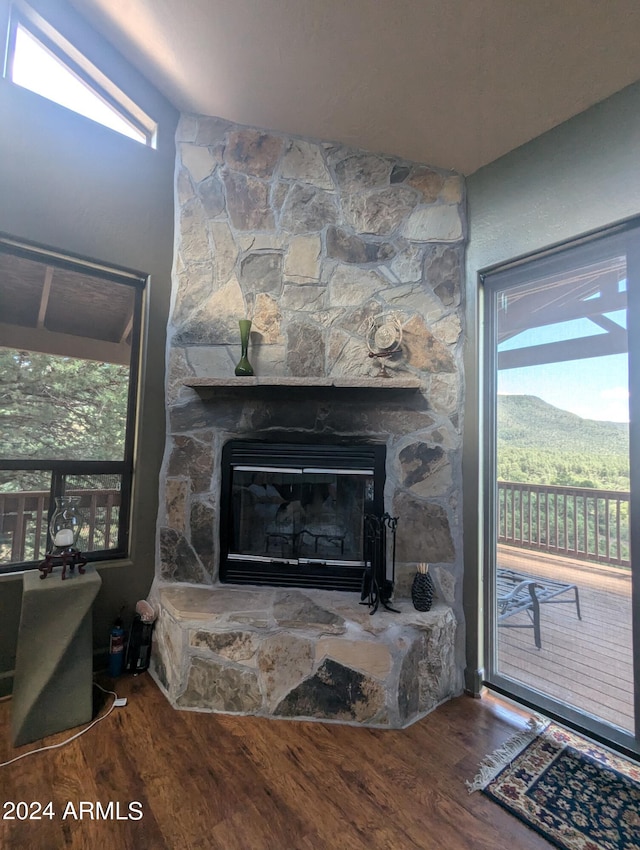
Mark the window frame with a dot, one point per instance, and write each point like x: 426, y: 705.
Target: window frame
x: 60, y: 469
x: 82, y: 68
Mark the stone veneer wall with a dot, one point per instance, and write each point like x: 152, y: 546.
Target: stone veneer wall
x: 309, y: 239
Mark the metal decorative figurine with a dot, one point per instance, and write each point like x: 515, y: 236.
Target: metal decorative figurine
x: 64, y: 529
x: 384, y: 338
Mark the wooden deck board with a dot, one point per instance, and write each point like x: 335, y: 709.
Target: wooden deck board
x: 587, y: 663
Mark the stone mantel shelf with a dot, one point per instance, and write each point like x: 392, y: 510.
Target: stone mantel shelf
x: 407, y: 383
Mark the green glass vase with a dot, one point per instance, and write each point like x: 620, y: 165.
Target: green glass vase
x: 244, y: 368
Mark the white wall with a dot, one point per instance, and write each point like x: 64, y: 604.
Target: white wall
x: 74, y: 185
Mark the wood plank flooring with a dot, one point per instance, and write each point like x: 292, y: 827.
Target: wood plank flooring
x: 587, y: 663
x: 215, y: 782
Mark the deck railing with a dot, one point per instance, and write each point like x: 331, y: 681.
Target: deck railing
x: 573, y: 521
x: 24, y: 516
x: 577, y: 522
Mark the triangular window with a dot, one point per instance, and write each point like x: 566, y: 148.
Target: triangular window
x: 47, y: 65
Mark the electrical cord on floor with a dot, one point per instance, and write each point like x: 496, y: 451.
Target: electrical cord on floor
x: 116, y: 702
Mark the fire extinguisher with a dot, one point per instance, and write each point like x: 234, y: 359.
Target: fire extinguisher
x: 116, y: 648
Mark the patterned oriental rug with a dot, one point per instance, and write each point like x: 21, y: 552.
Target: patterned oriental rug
x: 576, y: 794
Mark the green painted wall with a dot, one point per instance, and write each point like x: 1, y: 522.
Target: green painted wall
x: 579, y: 177
x: 74, y: 185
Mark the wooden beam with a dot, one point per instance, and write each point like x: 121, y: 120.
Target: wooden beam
x: 583, y: 348
x: 64, y: 345
x: 44, y: 296
x: 127, y: 330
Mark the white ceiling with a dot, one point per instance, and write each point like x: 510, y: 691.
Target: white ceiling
x: 453, y: 83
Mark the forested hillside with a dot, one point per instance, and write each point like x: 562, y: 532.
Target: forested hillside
x: 542, y: 444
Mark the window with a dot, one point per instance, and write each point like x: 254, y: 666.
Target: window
x: 41, y: 60
x: 69, y: 344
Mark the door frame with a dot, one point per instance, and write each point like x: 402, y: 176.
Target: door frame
x: 622, y: 237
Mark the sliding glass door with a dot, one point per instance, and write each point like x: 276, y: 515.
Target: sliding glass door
x: 560, y: 490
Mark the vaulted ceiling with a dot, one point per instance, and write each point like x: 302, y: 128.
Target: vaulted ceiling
x: 453, y: 83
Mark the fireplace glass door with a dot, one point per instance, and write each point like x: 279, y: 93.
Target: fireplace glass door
x: 297, y: 524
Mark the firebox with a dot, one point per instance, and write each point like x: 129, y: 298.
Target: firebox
x: 294, y: 514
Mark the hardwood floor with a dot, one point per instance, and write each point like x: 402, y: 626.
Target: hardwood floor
x: 216, y: 782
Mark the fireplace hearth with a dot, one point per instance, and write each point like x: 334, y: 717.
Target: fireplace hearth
x: 294, y: 514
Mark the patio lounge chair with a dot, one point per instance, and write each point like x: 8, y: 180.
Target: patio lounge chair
x: 518, y: 592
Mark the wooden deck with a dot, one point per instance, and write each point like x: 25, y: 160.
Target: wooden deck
x: 586, y: 663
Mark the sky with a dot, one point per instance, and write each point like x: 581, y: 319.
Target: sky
x: 36, y: 69
x: 595, y: 388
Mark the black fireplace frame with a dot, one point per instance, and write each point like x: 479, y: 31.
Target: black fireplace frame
x: 329, y: 455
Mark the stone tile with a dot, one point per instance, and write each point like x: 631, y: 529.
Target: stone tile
x: 215, y: 322
x: 303, y: 161
x: 225, y: 251
x: 428, y: 182
x: 168, y: 643
x: 202, y: 522
x: 423, y: 531
x: 284, y: 661
x: 267, y: 320
x: 358, y: 170
x: 187, y: 128
x: 198, y: 160
x: 295, y: 610
x: 426, y: 469
x: 437, y: 223
x: 349, y: 248
x: 262, y: 272
x: 217, y: 687
x: 409, y: 683
x: 448, y: 329
x: 443, y: 272
x: 239, y: 646
x: 335, y: 693
x: 378, y: 213
x: 176, y: 494
x: 211, y: 130
x: 369, y: 657
x: 248, y: 202
x: 194, y: 236
x: 305, y: 350
x: 446, y: 584
x: 306, y: 298
x: 302, y: 261
x: 211, y: 193
x: 178, y: 561
x: 253, y: 152
x: 350, y: 286
x: 193, y: 458
x: 195, y: 285
x: 423, y: 350
x: 197, y: 603
x: 308, y: 209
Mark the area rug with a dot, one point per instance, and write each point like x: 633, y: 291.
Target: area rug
x: 578, y: 795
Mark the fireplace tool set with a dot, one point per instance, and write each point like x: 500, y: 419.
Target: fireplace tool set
x: 377, y: 589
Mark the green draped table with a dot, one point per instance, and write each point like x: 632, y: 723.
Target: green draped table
x: 53, y: 681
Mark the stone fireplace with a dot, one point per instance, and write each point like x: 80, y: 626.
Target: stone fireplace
x: 310, y: 240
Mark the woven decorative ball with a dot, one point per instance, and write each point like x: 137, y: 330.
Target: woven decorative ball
x: 422, y: 589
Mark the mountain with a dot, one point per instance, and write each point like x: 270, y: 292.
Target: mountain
x: 542, y: 444
x: 527, y: 421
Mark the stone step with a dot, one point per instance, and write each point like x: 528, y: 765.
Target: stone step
x: 303, y: 654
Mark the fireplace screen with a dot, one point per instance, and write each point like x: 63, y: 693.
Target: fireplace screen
x: 294, y: 514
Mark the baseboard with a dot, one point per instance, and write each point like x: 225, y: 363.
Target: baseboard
x: 473, y: 682
x: 6, y: 684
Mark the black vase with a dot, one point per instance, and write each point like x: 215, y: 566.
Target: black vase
x: 422, y: 590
